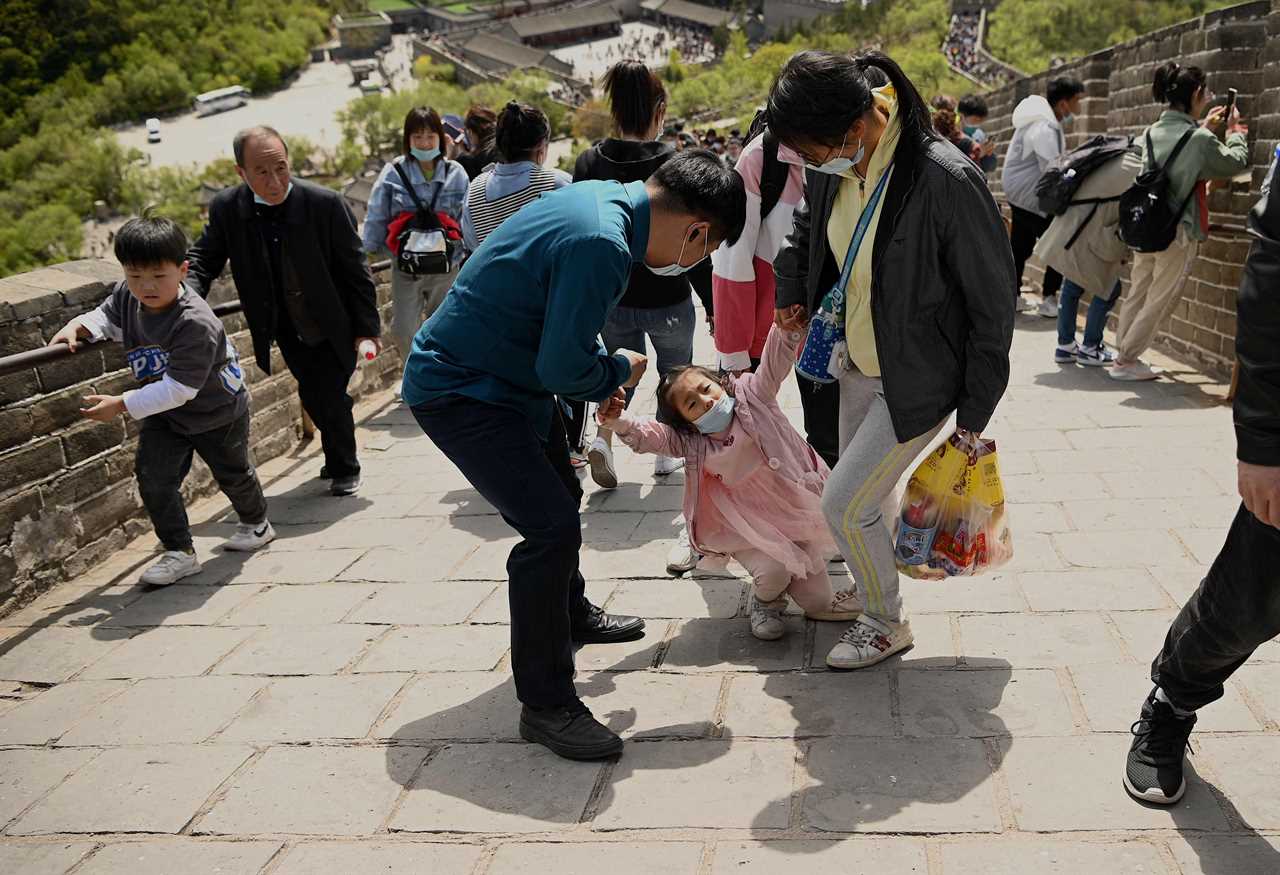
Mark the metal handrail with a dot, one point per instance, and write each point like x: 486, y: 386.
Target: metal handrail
x: 31, y: 358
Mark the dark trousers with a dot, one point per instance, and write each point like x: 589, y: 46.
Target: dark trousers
x: 322, y: 385
x: 1236, y: 609
x: 533, y: 486
x: 164, y: 459
x: 821, y: 404
x: 575, y: 423
x: 1027, y: 228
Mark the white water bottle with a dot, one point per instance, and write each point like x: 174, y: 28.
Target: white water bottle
x: 366, y: 351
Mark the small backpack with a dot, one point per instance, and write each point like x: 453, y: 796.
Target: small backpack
x: 1147, y: 222
x: 774, y: 173
x: 1056, y: 189
x: 423, y: 243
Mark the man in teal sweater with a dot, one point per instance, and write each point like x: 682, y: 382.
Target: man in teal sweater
x: 520, y: 326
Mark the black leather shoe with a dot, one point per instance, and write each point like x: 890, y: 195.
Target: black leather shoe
x: 570, y: 732
x: 602, y: 628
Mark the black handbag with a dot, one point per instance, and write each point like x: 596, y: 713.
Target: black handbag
x: 424, y: 245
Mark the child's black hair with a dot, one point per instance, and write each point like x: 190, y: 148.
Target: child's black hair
x: 150, y: 240
x: 667, y: 412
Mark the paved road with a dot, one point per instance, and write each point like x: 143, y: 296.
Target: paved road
x: 591, y: 60
x: 342, y: 702
x: 307, y: 108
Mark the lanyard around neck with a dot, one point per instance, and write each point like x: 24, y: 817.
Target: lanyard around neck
x: 860, y: 230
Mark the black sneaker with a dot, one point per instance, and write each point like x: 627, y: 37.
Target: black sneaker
x: 345, y: 485
x: 1153, y: 771
x: 324, y: 473
x: 570, y: 732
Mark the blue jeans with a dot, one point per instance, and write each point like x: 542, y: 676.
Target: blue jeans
x: 1094, y: 321
x: 670, y: 330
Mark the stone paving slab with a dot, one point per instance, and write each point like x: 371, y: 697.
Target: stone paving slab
x: 813, y: 857
x: 586, y: 858
x: 438, y: 648
x: 300, y: 650
x: 301, y: 605
x: 148, y: 789
x: 167, y: 652
x: 314, y: 791
x: 168, y: 856
x: 401, y: 858
x: 28, y: 774
x: 30, y: 858
x: 303, y: 709
x: 193, y: 709
x: 980, y: 704
x: 47, y: 716
x: 53, y: 655
x: 421, y: 604
x: 1051, y: 858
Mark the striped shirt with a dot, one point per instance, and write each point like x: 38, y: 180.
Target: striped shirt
x: 500, y: 192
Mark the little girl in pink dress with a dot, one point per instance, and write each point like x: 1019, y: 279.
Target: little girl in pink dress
x: 753, y: 486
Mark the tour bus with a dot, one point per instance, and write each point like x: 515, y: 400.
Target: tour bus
x: 221, y: 99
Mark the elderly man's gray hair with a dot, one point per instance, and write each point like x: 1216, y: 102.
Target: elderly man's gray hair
x: 256, y: 132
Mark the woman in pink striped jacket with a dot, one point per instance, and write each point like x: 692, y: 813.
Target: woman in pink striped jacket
x: 743, y: 290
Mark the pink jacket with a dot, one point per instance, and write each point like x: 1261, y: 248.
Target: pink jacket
x: 756, y: 408
x: 742, y: 283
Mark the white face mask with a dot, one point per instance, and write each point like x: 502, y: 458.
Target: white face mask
x: 836, y: 166
x: 718, y: 418
x: 677, y: 269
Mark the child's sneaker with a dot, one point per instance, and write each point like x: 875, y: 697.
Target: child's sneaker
x: 766, y: 619
x: 1067, y: 355
x: 250, y: 537
x: 868, y: 641
x: 600, y: 456
x: 665, y: 465
x: 170, y: 568
x: 844, y: 606
x: 1096, y: 356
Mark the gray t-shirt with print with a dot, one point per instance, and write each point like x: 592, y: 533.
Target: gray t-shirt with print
x: 188, y: 343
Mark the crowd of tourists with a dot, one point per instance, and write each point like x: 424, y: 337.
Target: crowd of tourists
x: 524, y: 301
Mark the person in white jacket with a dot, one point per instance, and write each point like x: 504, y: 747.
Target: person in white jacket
x: 1037, y: 140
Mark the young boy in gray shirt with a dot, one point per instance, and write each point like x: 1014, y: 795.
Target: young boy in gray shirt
x: 192, y: 397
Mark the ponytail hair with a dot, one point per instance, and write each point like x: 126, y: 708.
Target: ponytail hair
x: 819, y: 95
x: 1176, y: 85
x: 635, y: 94
x: 521, y: 130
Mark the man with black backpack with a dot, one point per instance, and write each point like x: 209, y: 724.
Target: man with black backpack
x: 742, y: 280
x: 1165, y: 216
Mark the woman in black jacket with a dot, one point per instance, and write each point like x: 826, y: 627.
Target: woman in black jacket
x: 928, y: 299
x: 657, y: 307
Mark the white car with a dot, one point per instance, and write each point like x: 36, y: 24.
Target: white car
x: 153, y: 130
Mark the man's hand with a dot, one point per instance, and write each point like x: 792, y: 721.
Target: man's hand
x: 639, y: 362
x: 609, y: 411
x: 70, y: 334
x: 1260, y: 489
x: 793, y: 318
x: 103, y: 408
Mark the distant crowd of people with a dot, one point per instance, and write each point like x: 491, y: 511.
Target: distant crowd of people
x: 961, y: 48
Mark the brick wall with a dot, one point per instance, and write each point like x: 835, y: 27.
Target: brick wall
x: 1238, y: 47
x: 67, y: 493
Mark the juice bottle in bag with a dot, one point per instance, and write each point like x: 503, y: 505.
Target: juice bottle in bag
x: 917, y: 525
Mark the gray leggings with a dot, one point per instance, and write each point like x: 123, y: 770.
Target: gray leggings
x: 413, y: 300
x: 871, y: 463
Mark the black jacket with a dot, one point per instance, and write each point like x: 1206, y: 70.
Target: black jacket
x: 475, y: 162
x: 633, y: 161
x: 1257, y: 404
x: 942, y: 288
x: 323, y: 250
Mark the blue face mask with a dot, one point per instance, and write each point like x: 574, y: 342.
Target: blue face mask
x: 288, y: 191
x: 718, y: 418
x: 969, y: 129
x: 678, y: 268
x: 424, y: 154
x: 838, y: 165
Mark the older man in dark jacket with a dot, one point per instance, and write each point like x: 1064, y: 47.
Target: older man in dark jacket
x: 1237, y: 607
x: 303, y: 281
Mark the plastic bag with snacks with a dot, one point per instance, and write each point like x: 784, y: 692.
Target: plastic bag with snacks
x: 953, y: 521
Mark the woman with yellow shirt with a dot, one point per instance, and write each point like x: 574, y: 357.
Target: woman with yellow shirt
x: 907, y: 224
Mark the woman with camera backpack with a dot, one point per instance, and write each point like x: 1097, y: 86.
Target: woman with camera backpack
x: 1158, y: 278
x: 440, y: 185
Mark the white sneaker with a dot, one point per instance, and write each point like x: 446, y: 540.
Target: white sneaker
x: 868, y: 641
x: 249, y: 537
x: 1022, y: 305
x: 664, y: 465
x: 1138, y: 372
x: 600, y: 457
x: 682, y: 557
x: 396, y: 389
x: 766, y: 619
x: 845, y: 605
x: 170, y: 568
x: 1096, y: 356
x: 1066, y: 355
x: 1048, y: 308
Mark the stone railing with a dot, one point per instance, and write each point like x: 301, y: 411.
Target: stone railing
x: 67, y: 493
x: 1238, y: 47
